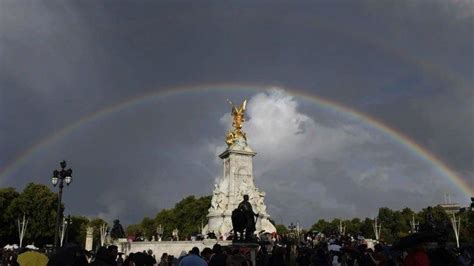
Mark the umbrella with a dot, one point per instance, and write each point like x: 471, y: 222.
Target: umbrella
x: 334, y: 247
x: 415, y: 239
x: 32, y: 247
x: 349, y: 249
x: 69, y: 255
x: 32, y: 258
x: 140, y: 258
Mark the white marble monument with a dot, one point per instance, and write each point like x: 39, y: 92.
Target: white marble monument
x: 237, y: 180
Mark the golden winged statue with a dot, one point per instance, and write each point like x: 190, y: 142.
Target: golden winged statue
x: 238, y: 117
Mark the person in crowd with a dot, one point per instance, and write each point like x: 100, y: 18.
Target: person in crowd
x: 163, y: 260
x: 102, y: 258
x: 278, y: 256
x: 193, y: 259
x: 417, y: 257
x: 464, y: 259
x: 120, y: 259
x: 236, y: 258
x: 218, y: 258
x: 150, y: 258
x: 129, y: 260
x: 206, y: 254
x: 182, y: 256
x: 172, y: 261
x: 320, y: 258
x: 113, y: 253
x: 303, y: 257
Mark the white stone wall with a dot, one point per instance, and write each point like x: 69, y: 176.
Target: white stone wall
x: 175, y: 248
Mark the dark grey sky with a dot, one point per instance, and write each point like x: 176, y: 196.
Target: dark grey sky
x: 409, y: 64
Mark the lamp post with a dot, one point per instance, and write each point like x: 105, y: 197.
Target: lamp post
x: 59, y: 177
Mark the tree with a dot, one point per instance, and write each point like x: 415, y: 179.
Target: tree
x: 134, y: 230
x: 353, y: 226
x: 190, y: 213
x: 96, y: 223
x: 366, y: 228
x: 39, y: 204
x: 281, y: 229
x: 321, y: 226
x: 394, y: 224
x: 148, y: 227
x: 467, y: 226
x: 167, y: 219
x: 77, y: 230
x: 436, y: 218
x: 187, y: 216
x: 8, y: 233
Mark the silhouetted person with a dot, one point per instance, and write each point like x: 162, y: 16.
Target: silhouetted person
x: 218, y: 258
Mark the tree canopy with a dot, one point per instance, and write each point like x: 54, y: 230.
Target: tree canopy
x: 187, y: 216
x: 395, y: 224
x: 39, y: 204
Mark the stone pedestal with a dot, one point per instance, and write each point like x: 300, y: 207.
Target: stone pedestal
x: 237, y: 180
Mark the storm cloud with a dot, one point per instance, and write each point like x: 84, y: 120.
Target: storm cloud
x: 408, y: 64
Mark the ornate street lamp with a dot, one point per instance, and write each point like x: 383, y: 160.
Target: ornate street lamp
x: 59, y: 177
x: 292, y: 227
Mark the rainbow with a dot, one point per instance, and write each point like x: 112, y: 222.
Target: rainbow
x: 395, y: 135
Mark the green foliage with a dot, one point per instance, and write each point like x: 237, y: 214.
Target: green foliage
x: 166, y: 218
x: 187, y: 216
x: 353, y: 226
x: 148, y: 227
x: 39, y: 204
x: 8, y: 233
x: 467, y: 226
x: 394, y: 224
x: 321, y: 226
x: 134, y: 230
x: 366, y: 228
x: 96, y: 223
x: 190, y: 212
x: 281, y: 229
x: 77, y: 230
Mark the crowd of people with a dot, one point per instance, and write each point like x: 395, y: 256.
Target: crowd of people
x: 345, y: 250
x: 272, y: 250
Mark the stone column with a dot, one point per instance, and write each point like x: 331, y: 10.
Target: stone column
x: 89, y: 238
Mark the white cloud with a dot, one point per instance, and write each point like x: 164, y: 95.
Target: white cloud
x: 280, y: 132
x: 340, y: 169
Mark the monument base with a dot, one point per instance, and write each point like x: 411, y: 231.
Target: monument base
x: 175, y: 248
